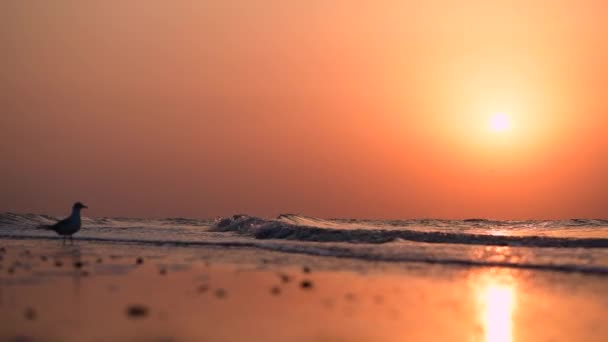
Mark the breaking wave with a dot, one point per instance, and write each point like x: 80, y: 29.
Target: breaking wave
x: 578, y: 245
x: 476, y: 231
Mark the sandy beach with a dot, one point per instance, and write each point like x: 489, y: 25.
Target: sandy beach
x: 92, y: 291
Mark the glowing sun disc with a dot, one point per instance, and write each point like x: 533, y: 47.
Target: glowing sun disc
x: 500, y: 122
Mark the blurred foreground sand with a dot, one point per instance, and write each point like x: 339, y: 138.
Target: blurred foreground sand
x: 106, y: 292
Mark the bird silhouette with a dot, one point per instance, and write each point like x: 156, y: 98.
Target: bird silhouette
x: 69, y: 225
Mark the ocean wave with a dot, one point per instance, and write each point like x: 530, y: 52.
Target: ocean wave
x: 479, y: 242
x: 291, y: 227
x: 24, y: 220
x: 33, y: 220
x: 574, y: 233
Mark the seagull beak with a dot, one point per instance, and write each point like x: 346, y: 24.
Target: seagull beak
x: 84, y: 206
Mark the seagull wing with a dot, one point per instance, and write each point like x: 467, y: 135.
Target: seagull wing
x: 53, y: 226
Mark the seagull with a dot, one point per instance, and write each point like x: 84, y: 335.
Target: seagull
x: 70, y: 225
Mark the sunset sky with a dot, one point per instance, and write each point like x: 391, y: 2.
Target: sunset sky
x: 363, y: 109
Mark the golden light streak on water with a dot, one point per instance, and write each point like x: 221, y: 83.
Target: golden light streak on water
x: 497, y: 299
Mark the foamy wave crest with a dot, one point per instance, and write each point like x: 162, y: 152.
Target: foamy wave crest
x: 293, y: 227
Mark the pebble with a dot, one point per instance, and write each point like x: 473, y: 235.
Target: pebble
x: 306, y: 284
x: 30, y: 314
x: 139, y: 261
x: 137, y: 311
x: 285, y: 278
x: 220, y: 293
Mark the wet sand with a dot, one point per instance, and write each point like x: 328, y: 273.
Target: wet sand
x: 106, y: 292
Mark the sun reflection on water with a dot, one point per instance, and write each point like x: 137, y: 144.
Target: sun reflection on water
x: 497, y: 299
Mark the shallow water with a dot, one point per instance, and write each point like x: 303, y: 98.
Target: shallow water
x: 87, y: 292
x: 578, y: 245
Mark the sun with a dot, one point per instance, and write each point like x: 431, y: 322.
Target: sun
x: 500, y: 122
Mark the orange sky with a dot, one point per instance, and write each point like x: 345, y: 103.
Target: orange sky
x: 373, y: 109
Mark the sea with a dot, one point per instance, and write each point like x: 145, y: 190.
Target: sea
x: 576, y: 245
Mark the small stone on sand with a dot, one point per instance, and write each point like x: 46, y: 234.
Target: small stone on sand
x: 162, y: 271
x: 203, y: 288
x: 275, y: 290
x: 139, y: 261
x: 43, y: 258
x: 30, y: 314
x: 220, y: 293
x: 58, y: 263
x: 137, y: 311
x: 99, y: 260
x: 306, y: 269
x: 78, y: 264
x: 285, y: 278
x: 306, y: 284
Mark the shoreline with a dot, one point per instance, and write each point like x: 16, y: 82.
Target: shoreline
x: 589, y: 270
x: 232, y: 294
